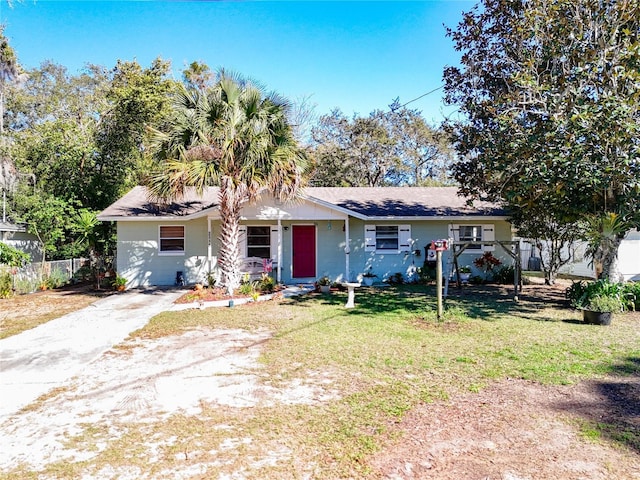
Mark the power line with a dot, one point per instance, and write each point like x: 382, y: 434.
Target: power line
x: 418, y: 98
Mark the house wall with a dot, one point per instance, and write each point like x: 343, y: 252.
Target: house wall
x: 23, y: 241
x: 139, y: 261
x: 422, y: 233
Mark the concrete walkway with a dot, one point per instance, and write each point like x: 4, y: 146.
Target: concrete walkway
x: 37, y: 360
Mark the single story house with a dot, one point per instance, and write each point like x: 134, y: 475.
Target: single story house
x: 338, y: 232
x: 16, y: 236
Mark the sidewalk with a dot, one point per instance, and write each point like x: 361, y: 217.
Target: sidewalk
x: 38, y: 360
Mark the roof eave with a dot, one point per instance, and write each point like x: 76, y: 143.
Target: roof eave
x: 439, y: 218
x: 177, y: 218
x: 335, y: 207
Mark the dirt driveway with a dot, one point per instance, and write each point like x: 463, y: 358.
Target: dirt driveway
x: 511, y: 430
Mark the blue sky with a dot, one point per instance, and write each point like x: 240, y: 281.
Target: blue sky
x: 357, y: 56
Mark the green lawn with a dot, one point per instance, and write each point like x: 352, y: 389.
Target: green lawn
x: 389, y: 353
x: 384, y: 357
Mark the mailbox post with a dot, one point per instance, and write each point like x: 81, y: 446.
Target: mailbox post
x: 439, y: 246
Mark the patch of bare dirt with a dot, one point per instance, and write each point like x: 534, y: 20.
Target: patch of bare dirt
x: 517, y: 430
x: 22, y: 312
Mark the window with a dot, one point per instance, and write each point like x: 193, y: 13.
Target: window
x: 172, y: 240
x: 471, y: 233
x: 259, y: 241
x: 387, y: 238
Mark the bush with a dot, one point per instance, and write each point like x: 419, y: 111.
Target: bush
x: 581, y: 293
x: 505, y: 275
x: 57, y: 278
x: 25, y: 285
x: 603, y: 303
x: 396, y: 279
x: 267, y: 284
x: 488, y: 264
x: 6, y: 284
x: 631, y: 295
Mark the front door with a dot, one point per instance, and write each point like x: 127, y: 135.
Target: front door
x: 304, y: 251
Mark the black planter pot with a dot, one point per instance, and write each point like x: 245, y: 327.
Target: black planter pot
x: 596, y: 318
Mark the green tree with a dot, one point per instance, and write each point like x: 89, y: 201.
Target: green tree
x: 234, y: 136
x: 396, y: 147
x: 47, y: 217
x: 426, y: 153
x: 137, y: 99
x: 356, y: 152
x: 550, y: 93
x: 198, y: 75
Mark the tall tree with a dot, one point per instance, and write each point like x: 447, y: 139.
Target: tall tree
x: 137, y: 99
x: 394, y: 147
x: 551, y: 96
x: 425, y: 152
x: 8, y: 71
x: 356, y: 152
x: 198, y: 75
x: 235, y: 136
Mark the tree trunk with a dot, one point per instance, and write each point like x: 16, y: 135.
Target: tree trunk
x: 230, y: 201
x: 610, y: 263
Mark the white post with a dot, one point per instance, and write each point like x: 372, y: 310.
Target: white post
x: 347, y: 249
x: 439, y: 282
x: 209, y: 252
x: 279, y: 253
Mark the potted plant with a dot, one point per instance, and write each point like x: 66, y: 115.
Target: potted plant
x: 597, y: 300
x: 464, y: 273
x: 325, y: 284
x: 120, y: 283
x: 367, y: 277
x: 599, y: 309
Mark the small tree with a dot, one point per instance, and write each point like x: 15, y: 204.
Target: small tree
x: 46, y: 217
x: 554, y: 238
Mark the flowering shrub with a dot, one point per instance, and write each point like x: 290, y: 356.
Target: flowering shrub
x: 487, y: 263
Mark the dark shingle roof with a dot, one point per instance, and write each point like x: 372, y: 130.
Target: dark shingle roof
x: 403, y: 201
x: 362, y: 201
x: 136, y: 203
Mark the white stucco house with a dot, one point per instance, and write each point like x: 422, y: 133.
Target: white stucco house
x: 339, y: 232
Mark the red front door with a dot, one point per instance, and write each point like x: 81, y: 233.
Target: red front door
x: 304, y: 251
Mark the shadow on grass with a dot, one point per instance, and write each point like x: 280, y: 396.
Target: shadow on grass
x: 484, y: 302
x: 374, y: 300
x: 613, y: 413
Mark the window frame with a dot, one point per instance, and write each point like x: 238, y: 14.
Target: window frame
x: 161, y: 238
x: 487, y: 234
x: 403, y: 236
x: 266, y: 246
x: 476, y: 241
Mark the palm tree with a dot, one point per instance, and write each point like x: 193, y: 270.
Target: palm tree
x: 234, y: 136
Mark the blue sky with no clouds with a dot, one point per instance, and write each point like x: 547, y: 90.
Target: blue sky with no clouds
x: 357, y: 56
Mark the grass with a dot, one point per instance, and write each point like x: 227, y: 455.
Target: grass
x: 384, y: 357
